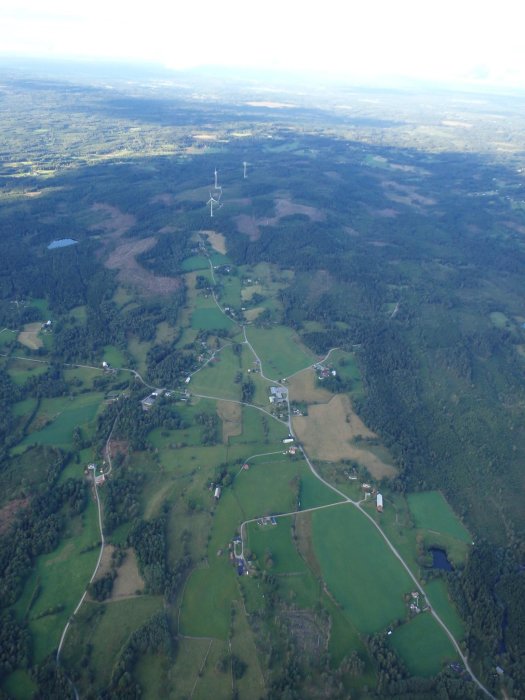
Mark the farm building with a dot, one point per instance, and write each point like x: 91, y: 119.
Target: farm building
x: 149, y: 401
x: 277, y: 394
x: 217, y: 493
x: 379, y: 503
x: 287, y: 441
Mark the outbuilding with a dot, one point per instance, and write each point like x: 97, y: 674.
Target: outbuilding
x: 217, y: 493
x: 379, y: 503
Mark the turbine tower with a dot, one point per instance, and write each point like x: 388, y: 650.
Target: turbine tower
x: 216, y: 185
x: 244, y: 164
x: 211, y: 201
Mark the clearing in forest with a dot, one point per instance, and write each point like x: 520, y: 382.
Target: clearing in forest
x: 329, y: 432
x: 123, y: 256
x: 432, y: 512
x: 129, y: 581
x: 216, y: 240
x: 29, y: 336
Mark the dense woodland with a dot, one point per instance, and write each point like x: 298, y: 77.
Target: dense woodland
x: 443, y: 386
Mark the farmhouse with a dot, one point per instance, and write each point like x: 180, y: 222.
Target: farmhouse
x: 149, y: 401
x: 379, y: 503
x: 277, y: 394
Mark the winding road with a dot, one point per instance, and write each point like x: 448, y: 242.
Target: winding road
x: 346, y: 500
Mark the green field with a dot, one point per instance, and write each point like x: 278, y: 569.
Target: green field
x: 61, y: 416
x: 205, y: 610
x: 359, y: 569
x: 274, y: 548
x: 432, y: 512
x: 211, y: 318
x: 113, y: 356
x: 218, y: 377
x: 7, y: 336
x: 21, y: 370
x: 195, y: 262
x: 445, y: 608
x: 107, y: 627
x: 422, y: 645
x: 25, y: 407
x: 280, y: 350
x: 61, y: 576
x: 139, y: 350
x: 230, y: 292
x: 19, y: 685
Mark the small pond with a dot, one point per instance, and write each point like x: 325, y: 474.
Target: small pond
x: 440, y: 559
x: 61, y: 243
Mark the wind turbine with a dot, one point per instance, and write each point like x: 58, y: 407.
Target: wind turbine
x: 211, y: 201
x: 216, y: 185
x: 244, y: 164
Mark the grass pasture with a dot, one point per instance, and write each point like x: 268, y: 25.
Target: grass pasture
x: 113, y: 356
x: 275, y: 542
x: 190, y: 658
x: 422, y: 645
x: 432, y: 512
x: 107, y: 631
x: 210, y: 319
x: 268, y: 487
x: 6, y: 336
x: 280, y: 350
x: 441, y: 603
x: 251, y: 685
x: 230, y: 294
x: 209, y: 591
x: 231, y: 418
x: 62, y: 576
x: 217, y: 378
x: 359, y: 569
x: 195, y: 262
x: 56, y: 419
x: 139, y: 350
x: 21, y: 370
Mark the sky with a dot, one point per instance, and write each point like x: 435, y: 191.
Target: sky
x: 436, y: 40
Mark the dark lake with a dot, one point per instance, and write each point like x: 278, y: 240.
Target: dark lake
x: 439, y: 559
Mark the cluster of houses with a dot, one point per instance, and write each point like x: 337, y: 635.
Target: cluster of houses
x: 324, y: 372
x: 416, y: 606
x: 150, y: 400
x: 236, y: 557
x: 369, y: 490
x: 267, y: 520
x: 99, y: 478
x: 278, y: 395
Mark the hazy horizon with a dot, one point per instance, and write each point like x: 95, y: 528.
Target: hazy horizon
x: 452, y: 44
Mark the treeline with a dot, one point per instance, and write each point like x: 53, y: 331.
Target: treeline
x: 14, y: 644
x: 38, y: 530
x: 149, y: 540
x: 166, y: 256
x: 490, y: 596
x: 154, y: 637
x: 122, y: 498
x: 134, y: 424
